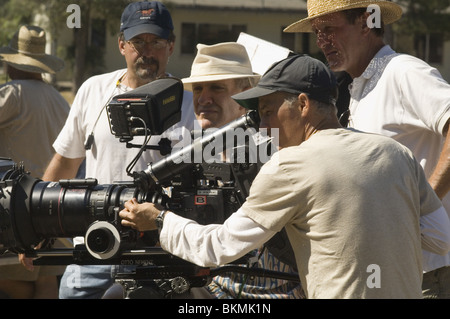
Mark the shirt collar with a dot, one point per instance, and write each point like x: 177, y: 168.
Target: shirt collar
x: 379, y: 61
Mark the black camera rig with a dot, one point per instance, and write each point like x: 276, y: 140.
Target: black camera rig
x: 34, y: 213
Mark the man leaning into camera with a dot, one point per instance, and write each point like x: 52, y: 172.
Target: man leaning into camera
x: 218, y: 72
x: 348, y: 199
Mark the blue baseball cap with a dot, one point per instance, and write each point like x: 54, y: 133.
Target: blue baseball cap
x: 146, y: 17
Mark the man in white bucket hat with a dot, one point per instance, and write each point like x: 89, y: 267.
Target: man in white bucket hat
x: 393, y: 94
x: 223, y: 68
x: 32, y: 113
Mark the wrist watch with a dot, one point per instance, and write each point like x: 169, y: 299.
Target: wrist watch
x: 160, y: 219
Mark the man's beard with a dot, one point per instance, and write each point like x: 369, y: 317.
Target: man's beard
x: 147, y: 69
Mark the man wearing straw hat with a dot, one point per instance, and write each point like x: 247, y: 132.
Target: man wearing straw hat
x: 393, y: 94
x: 218, y: 72
x: 32, y: 113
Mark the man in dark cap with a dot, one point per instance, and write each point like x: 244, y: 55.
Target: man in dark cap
x: 349, y: 242
x: 146, y: 41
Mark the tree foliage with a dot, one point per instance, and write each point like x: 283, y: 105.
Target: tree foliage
x: 425, y: 16
x: 14, y: 15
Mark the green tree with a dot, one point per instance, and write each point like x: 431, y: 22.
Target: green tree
x: 426, y: 16
x: 427, y: 24
x: 13, y: 16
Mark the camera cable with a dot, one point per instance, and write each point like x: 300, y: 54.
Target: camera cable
x: 143, y: 147
x: 90, y: 140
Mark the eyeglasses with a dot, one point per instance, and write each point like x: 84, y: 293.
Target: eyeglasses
x: 140, y: 45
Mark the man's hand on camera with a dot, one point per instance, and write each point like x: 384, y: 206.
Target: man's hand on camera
x: 140, y: 216
x: 27, y: 262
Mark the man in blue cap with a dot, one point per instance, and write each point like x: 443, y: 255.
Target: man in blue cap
x: 146, y: 26
x: 146, y: 41
x: 347, y: 199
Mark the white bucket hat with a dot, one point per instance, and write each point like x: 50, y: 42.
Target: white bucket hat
x: 26, y: 52
x: 228, y: 60
x: 390, y: 11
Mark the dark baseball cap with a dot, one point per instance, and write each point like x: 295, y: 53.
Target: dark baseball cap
x: 146, y: 17
x: 295, y: 74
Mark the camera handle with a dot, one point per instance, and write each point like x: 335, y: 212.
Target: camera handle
x: 164, y: 146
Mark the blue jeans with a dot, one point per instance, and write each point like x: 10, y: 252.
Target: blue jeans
x: 86, y: 282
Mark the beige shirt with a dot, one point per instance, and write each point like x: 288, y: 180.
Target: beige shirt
x: 32, y: 114
x: 351, y: 204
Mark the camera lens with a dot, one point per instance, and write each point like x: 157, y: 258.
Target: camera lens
x: 101, y: 240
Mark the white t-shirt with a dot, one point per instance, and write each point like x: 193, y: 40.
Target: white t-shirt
x: 402, y: 97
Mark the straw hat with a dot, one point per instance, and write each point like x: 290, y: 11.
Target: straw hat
x: 26, y: 52
x: 390, y: 11
x: 228, y: 60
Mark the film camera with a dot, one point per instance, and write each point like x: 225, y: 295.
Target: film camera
x: 34, y: 213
